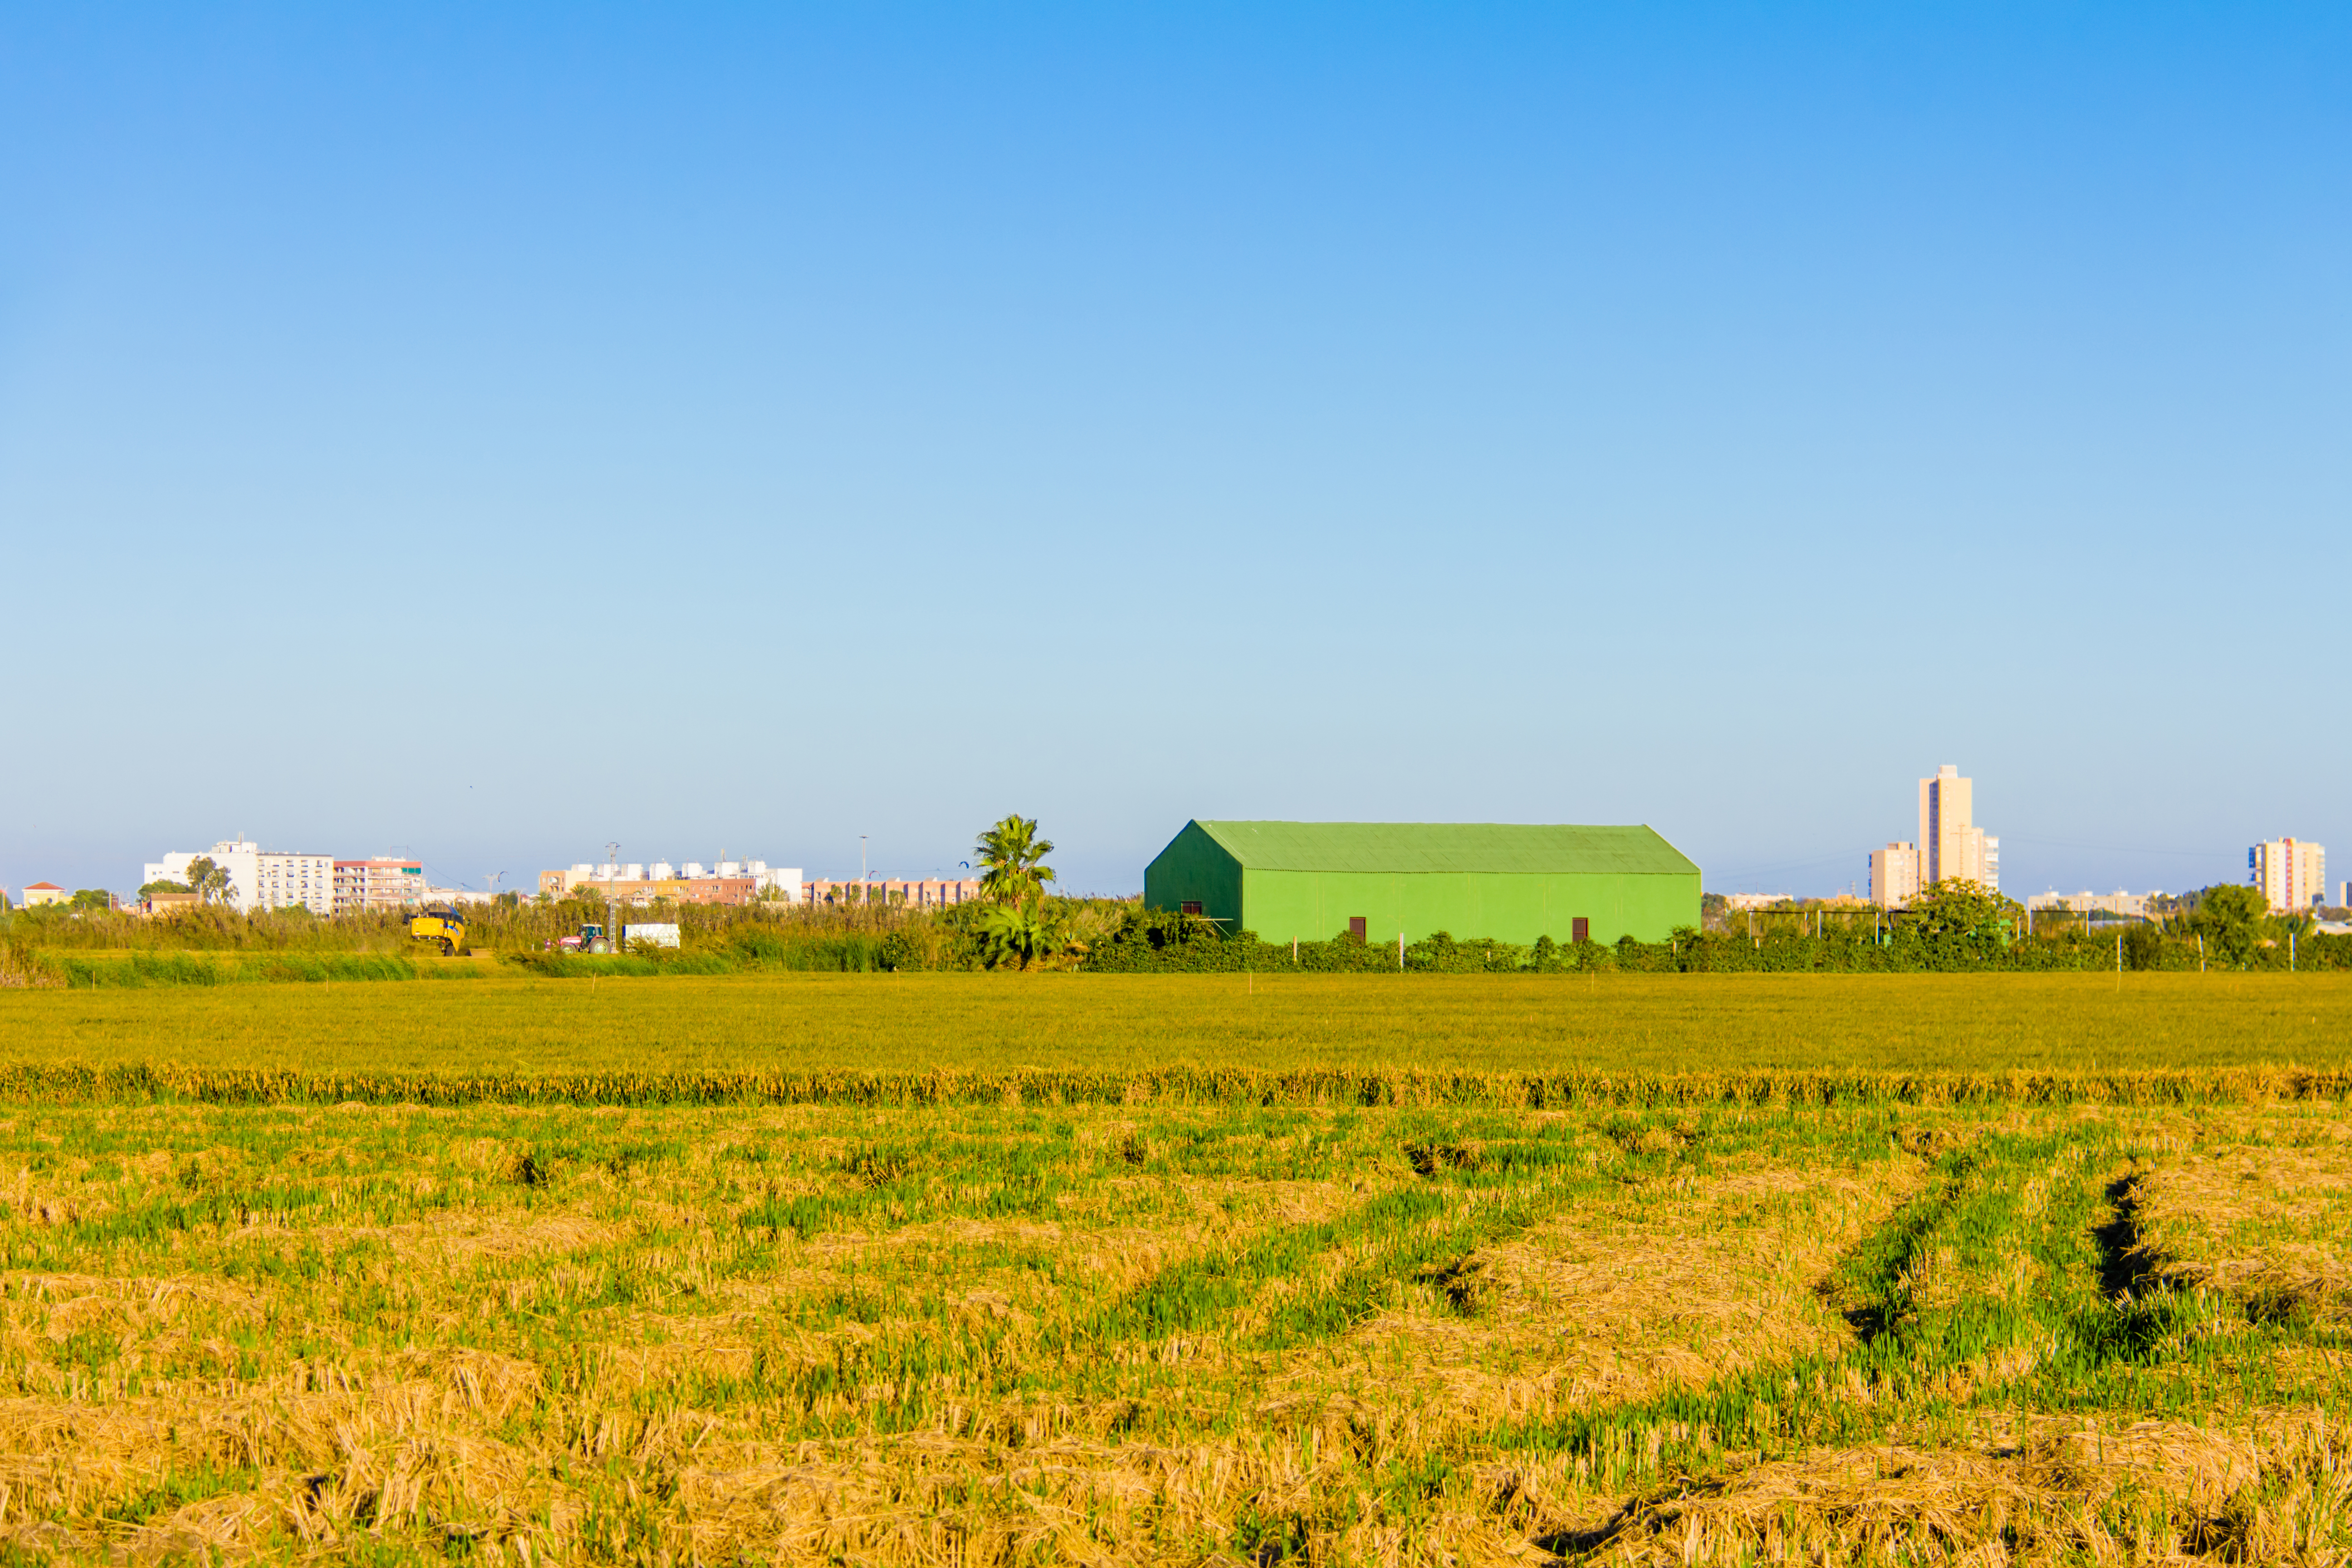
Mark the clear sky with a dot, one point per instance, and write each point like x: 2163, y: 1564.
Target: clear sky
x: 492, y: 431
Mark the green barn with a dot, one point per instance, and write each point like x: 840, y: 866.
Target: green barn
x: 1312, y: 880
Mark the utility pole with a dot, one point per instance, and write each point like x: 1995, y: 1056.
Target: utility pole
x: 612, y: 874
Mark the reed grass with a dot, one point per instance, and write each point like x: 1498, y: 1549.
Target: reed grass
x: 140, y: 970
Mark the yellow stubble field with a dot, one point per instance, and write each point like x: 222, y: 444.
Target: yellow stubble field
x: 1148, y: 1324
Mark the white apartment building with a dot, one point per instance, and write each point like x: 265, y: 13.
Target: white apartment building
x: 1894, y: 876
x: 2292, y: 875
x: 240, y: 858
x: 2118, y: 902
x: 258, y: 879
x: 288, y: 880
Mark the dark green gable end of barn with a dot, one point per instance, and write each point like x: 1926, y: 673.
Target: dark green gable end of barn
x: 1308, y: 880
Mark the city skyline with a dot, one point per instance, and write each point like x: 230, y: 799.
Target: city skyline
x: 1908, y: 873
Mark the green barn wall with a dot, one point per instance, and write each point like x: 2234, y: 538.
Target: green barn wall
x: 1516, y: 907
x: 1196, y: 868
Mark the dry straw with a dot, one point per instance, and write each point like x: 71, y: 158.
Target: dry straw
x: 36, y: 1083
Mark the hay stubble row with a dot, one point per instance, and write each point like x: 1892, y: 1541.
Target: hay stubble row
x: 1162, y: 1334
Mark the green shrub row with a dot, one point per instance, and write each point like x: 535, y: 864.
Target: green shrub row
x: 1156, y: 942
x: 81, y: 973
x: 1958, y: 933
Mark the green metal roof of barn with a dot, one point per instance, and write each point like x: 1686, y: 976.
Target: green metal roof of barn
x: 1493, y: 847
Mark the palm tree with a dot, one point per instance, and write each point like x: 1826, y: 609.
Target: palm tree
x: 1013, y: 861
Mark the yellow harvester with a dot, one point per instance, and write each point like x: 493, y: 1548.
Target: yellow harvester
x: 441, y: 924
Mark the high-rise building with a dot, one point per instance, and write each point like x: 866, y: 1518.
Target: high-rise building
x: 2292, y: 875
x: 1894, y: 876
x: 1952, y: 848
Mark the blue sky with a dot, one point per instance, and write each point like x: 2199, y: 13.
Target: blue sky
x: 493, y: 431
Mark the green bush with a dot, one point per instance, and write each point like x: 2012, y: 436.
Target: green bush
x: 1156, y: 942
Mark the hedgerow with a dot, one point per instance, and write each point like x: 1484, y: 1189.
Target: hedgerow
x: 1157, y: 942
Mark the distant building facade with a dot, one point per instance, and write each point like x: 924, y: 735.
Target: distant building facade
x: 384, y: 883
x: 2119, y: 902
x: 41, y: 893
x: 633, y: 882
x: 296, y: 881
x: 1894, y: 876
x: 918, y: 891
x: 2293, y: 875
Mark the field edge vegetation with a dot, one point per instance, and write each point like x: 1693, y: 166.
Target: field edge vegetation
x: 72, y: 1083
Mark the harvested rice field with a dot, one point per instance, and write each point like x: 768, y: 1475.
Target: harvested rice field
x: 913, y: 1025
x: 1173, y: 1331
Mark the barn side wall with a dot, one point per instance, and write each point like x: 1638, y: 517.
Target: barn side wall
x: 1313, y: 906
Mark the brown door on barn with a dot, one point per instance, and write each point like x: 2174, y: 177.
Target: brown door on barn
x: 1356, y: 928
x: 1580, y: 930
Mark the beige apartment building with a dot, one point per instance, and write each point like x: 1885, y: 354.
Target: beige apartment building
x: 1952, y: 848
x: 1951, y: 845
x: 378, y: 884
x: 2293, y: 875
x: 1894, y: 876
x: 921, y: 892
